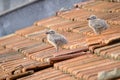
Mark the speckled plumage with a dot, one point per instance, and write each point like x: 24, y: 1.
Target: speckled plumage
x: 98, y: 25
x: 56, y: 39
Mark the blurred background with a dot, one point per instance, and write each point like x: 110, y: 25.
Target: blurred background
x: 18, y: 14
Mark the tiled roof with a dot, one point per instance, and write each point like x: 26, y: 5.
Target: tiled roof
x: 26, y: 54
x: 86, y: 67
x: 52, y: 75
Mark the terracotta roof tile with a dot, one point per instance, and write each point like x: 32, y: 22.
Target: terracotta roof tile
x: 79, y: 5
x: 75, y: 68
x: 29, y: 30
x: 9, y: 56
x: 57, y: 65
x: 109, y: 51
x: 10, y: 39
x: 12, y: 64
x: 61, y: 77
x: 60, y: 64
x: 95, y: 46
x: 71, y: 51
x: 83, y: 65
x: 75, y: 36
x: 54, y: 22
x: 96, y: 70
x: 39, y: 23
x: 74, y: 14
x: 4, y: 51
x: 100, y: 6
x: 23, y: 44
x: 3, y: 75
x: 70, y: 13
x: 43, y: 54
x: 81, y: 43
x: 103, y: 8
x: 53, y: 74
x: 39, y: 36
x: 65, y: 57
x: 106, y: 47
x: 35, y: 66
x: 110, y: 38
x: 83, y: 30
x: 57, y: 23
x: 11, y: 44
x: 1, y: 48
x: 6, y: 37
x: 36, y: 74
x: 22, y: 66
x: 16, y: 76
x: 67, y: 26
x: 36, y: 48
x: 39, y: 56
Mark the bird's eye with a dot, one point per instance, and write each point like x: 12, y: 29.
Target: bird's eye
x: 52, y: 32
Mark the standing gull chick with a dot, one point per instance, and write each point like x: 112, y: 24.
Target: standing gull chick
x: 98, y: 25
x: 56, y: 39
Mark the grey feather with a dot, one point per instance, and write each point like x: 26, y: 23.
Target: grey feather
x: 56, y: 39
x: 98, y: 25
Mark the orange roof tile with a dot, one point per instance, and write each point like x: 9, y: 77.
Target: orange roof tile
x: 100, y: 6
x: 9, y: 56
x: 53, y: 74
x: 29, y: 30
x: 83, y: 65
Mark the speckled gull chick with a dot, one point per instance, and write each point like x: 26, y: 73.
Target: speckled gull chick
x: 56, y: 39
x: 98, y: 25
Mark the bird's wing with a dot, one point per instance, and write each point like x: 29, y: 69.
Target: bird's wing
x: 99, y: 23
x: 59, y: 39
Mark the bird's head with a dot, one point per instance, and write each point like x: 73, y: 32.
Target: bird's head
x: 50, y: 32
x: 92, y: 17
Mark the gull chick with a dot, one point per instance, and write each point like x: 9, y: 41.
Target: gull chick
x: 56, y: 39
x: 98, y: 25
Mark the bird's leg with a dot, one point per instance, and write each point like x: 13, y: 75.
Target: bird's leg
x: 57, y: 49
x: 96, y: 31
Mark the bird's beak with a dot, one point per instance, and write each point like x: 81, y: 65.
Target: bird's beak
x: 47, y: 32
x: 88, y: 18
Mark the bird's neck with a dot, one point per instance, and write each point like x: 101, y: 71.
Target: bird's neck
x: 50, y: 35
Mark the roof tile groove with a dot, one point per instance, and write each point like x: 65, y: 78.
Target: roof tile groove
x: 68, y: 26
x: 39, y: 56
x: 65, y: 57
x: 12, y: 55
x: 100, y: 6
x: 86, y: 65
x: 38, y: 23
x: 53, y: 74
x: 29, y: 30
x: 9, y: 40
x: 111, y: 51
x: 74, y: 15
x: 16, y: 76
x: 27, y: 65
x: 36, y: 48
